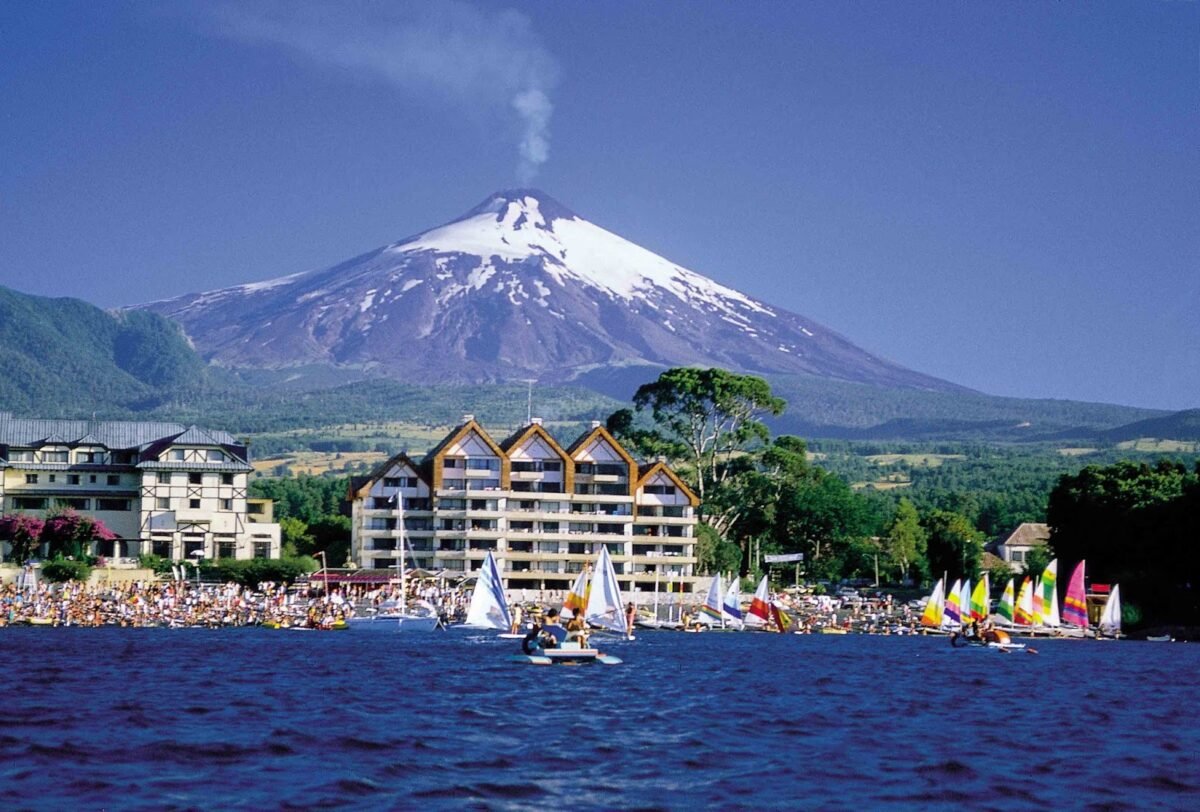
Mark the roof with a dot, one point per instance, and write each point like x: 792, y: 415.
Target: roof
x: 1029, y: 534
x: 600, y: 431
x: 358, y: 485
x: 113, y: 434
x: 525, y: 432
x: 648, y: 470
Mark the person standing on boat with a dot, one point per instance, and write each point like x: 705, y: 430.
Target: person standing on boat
x: 516, y: 618
x: 630, y: 616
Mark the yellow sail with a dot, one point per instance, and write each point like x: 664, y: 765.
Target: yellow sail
x: 932, y: 616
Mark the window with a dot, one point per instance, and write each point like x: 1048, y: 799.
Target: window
x: 255, y: 508
x: 452, y: 462
x: 87, y: 457
x: 1018, y: 556
x: 163, y: 503
x: 29, y: 502
x: 194, y: 504
x: 55, y: 456
x: 20, y: 456
x: 72, y: 479
x: 176, y: 454
x: 262, y: 549
x: 226, y: 479
x: 661, y: 490
x: 53, y: 477
x: 114, y: 479
x: 112, y: 504
x: 195, y: 478
x: 216, y: 456
x: 31, y: 479
x: 161, y: 547
x: 226, y: 504
x: 226, y: 549
x: 453, y: 504
x: 585, y: 468
x: 454, y: 484
x: 92, y: 478
x: 73, y: 502
x: 483, y: 464
x: 164, y: 478
x: 391, y: 482
x: 483, y: 484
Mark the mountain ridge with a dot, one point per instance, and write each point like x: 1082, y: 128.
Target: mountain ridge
x: 518, y: 287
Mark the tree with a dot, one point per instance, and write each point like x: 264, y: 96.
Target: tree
x: 1037, y: 559
x: 294, y: 537
x: 706, y: 416
x: 952, y: 544
x: 905, y: 541
x: 713, y: 553
x: 69, y: 534
x: 23, y: 533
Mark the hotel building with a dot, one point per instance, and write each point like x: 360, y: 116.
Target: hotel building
x: 162, y: 488
x: 542, y: 509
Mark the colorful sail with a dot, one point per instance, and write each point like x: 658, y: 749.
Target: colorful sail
x: 953, y: 608
x: 1007, y: 601
x: 782, y: 619
x: 964, y: 600
x: 1075, y: 605
x: 732, y: 605
x: 979, y: 599
x: 1024, y: 613
x: 932, y: 616
x: 577, y: 598
x: 1110, y: 618
x: 1050, y: 595
x: 489, y: 606
x: 760, y: 604
x: 605, y: 608
x: 712, y: 601
x: 1036, y: 601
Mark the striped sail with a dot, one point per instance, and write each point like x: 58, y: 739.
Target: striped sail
x: 712, y: 601
x: 578, y: 596
x: 932, y: 616
x: 1075, y: 606
x: 953, y: 609
x: 1050, y: 594
x: 1007, y: 601
x: 1038, y: 618
x: 732, y: 605
x: 964, y: 600
x: 979, y: 599
x: 760, y: 604
x: 1024, y: 615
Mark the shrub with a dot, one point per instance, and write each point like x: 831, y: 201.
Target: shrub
x: 61, y: 570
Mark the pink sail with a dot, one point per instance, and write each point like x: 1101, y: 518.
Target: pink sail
x: 1074, y: 609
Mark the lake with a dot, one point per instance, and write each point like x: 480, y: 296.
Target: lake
x: 373, y: 719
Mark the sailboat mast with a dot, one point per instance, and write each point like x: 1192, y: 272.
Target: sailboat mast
x: 400, y: 560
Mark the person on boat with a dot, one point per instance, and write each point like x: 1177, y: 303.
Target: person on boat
x: 630, y: 616
x: 516, y: 618
x: 577, y: 630
x: 553, y: 630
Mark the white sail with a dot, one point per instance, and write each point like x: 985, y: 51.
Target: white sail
x: 489, y: 607
x: 1110, y: 618
x: 760, y: 606
x: 605, y: 607
x: 732, y: 606
x: 712, y: 601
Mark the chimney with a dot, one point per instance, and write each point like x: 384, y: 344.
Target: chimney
x: 535, y: 421
x: 467, y: 418
x: 595, y: 424
x: 661, y: 458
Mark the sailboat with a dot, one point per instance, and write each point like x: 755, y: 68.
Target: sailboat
x: 711, y: 609
x: 760, y: 606
x: 424, y: 618
x: 933, y: 614
x: 605, y: 608
x: 489, y: 606
x: 1024, y: 609
x: 979, y: 599
x: 1074, y: 611
x: 1007, y: 602
x: 1050, y: 615
x: 731, y: 608
x: 1110, y: 617
x: 577, y: 598
x: 952, y: 610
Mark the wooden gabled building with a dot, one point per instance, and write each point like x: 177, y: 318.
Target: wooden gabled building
x: 543, y: 509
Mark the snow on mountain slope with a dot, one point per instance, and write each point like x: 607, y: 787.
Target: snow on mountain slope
x: 519, y: 287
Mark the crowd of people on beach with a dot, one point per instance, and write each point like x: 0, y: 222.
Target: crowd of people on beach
x: 182, y: 603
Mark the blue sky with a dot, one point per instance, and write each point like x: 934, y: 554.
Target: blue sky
x: 1003, y: 195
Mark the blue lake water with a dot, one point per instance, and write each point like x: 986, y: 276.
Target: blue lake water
x: 373, y: 719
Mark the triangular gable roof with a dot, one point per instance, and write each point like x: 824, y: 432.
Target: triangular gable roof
x: 533, y: 429
x: 1028, y: 534
x: 53, y: 439
x: 195, y: 436
x: 645, y: 472
x: 602, y: 433
x: 461, y: 431
x: 359, y: 486
x: 89, y: 439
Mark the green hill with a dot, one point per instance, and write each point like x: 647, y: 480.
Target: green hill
x: 65, y: 357
x: 1183, y: 426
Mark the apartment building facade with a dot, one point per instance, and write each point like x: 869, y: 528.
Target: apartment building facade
x: 163, y: 488
x: 542, y: 509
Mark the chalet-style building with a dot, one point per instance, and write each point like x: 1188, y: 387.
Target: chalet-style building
x: 162, y: 488
x: 1014, y: 548
x: 544, y: 510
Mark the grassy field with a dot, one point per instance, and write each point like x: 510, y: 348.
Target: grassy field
x: 921, y: 460
x: 1159, y: 446
x: 1077, y: 452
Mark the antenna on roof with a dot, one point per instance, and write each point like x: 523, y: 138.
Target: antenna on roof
x: 529, y: 400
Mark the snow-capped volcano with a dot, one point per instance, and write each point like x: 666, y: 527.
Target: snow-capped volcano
x: 519, y: 287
